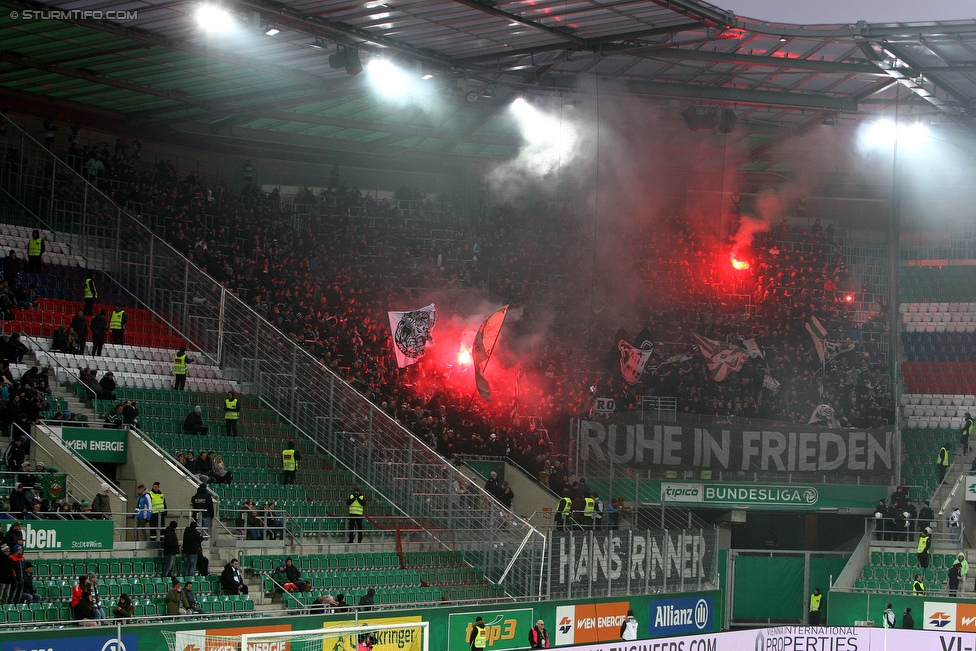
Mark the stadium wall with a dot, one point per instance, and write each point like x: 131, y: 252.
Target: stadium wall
x: 580, y: 621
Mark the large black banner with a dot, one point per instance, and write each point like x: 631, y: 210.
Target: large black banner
x: 624, y: 440
x: 630, y: 562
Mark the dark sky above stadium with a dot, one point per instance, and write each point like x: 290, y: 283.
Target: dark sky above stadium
x: 850, y: 11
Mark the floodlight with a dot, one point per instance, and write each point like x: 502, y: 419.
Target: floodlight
x: 883, y: 134
x: 272, y: 30
x: 727, y: 122
x: 388, y: 79
x: 429, y: 75
x: 317, y: 45
x: 213, y: 18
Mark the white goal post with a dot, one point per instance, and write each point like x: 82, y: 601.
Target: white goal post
x: 339, y: 638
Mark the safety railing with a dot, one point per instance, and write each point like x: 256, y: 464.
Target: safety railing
x: 401, y: 469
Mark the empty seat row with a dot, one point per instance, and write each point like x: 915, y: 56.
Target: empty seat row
x: 924, y: 308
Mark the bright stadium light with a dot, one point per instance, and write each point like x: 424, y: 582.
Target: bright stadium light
x: 389, y: 80
x: 550, y: 141
x: 213, y: 18
x: 883, y: 134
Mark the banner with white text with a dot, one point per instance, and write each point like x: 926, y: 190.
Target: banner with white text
x: 788, y: 452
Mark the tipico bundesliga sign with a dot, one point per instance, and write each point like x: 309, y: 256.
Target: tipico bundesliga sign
x: 740, y: 495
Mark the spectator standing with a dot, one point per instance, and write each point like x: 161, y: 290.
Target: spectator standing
x: 232, y: 413
x: 888, y: 618
x: 203, y: 507
x: 158, y: 517
x: 101, y: 504
x: 117, y: 324
x: 91, y: 293
x: 19, y: 567
x: 628, y: 628
x: 506, y: 496
x: 192, y: 548
x: 14, y: 456
x: 967, y: 430
x: 907, y: 621
x: 925, y: 517
x: 98, y: 326
x: 492, y: 486
x: 179, y: 369
x: 539, y: 636
x: 963, y: 566
x: 171, y: 549
x: 143, y: 510
x: 355, y: 504
x: 80, y: 326
x: 954, y: 576
x: 248, y: 171
x: 108, y: 385
x: 289, y: 463
x: 15, y: 536
x: 176, y: 603
x: 193, y: 424
x: 35, y: 249
x: 231, y: 581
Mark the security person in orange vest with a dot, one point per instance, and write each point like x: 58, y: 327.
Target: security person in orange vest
x: 35, y: 249
x: 232, y: 413
x: 179, y: 369
x: 289, y: 463
x: 116, y: 325
x: 478, y: 635
x: 355, y: 504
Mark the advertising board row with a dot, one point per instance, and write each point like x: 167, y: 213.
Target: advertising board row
x: 65, y: 535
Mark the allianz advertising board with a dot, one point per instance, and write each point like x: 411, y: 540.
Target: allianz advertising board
x: 678, y: 616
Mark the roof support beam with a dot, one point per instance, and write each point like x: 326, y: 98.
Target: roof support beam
x: 23, y: 62
x: 742, y: 96
x: 705, y: 14
x: 892, y: 60
x: 515, y: 18
x: 754, y: 60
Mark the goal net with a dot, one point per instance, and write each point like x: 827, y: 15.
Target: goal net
x: 342, y: 636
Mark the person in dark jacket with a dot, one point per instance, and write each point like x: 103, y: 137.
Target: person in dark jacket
x: 80, y: 326
x: 907, y: 621
x: 367, y: 601
x: 130, y: 412
x: 203, y: 507
x: 192, y: 548
x: 231, y: 581
x: 30, y: 593
x: 171, y: 549
x: 193, y: 424
x: 85, y: 611
x: 6, y: 574
x: 294, y: 575
x: 108, y: 385
x: 98, y: 326
x: 18, y: 500
x: 539, y: 636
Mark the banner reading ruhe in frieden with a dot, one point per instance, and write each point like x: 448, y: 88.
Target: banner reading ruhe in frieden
x: 788, y: 448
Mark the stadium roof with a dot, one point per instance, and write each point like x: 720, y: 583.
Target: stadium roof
x: 155, y: 65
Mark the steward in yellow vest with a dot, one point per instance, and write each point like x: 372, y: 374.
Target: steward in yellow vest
x: 289, y: 462
x: 35, y: 249
x: 232, y: 413
x: 179, y: 369
x: 117, y: 325
x: 355, y: 504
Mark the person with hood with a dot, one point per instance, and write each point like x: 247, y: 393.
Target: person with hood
x: 101, y: 503
x: 193, y: 423
x: 294, y: 575
x: 478, y: 634
x: 192, y: 548
x: 367, y: 601
x: 171, y: 549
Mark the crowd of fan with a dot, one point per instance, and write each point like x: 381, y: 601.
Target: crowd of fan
x: 328, y: 279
